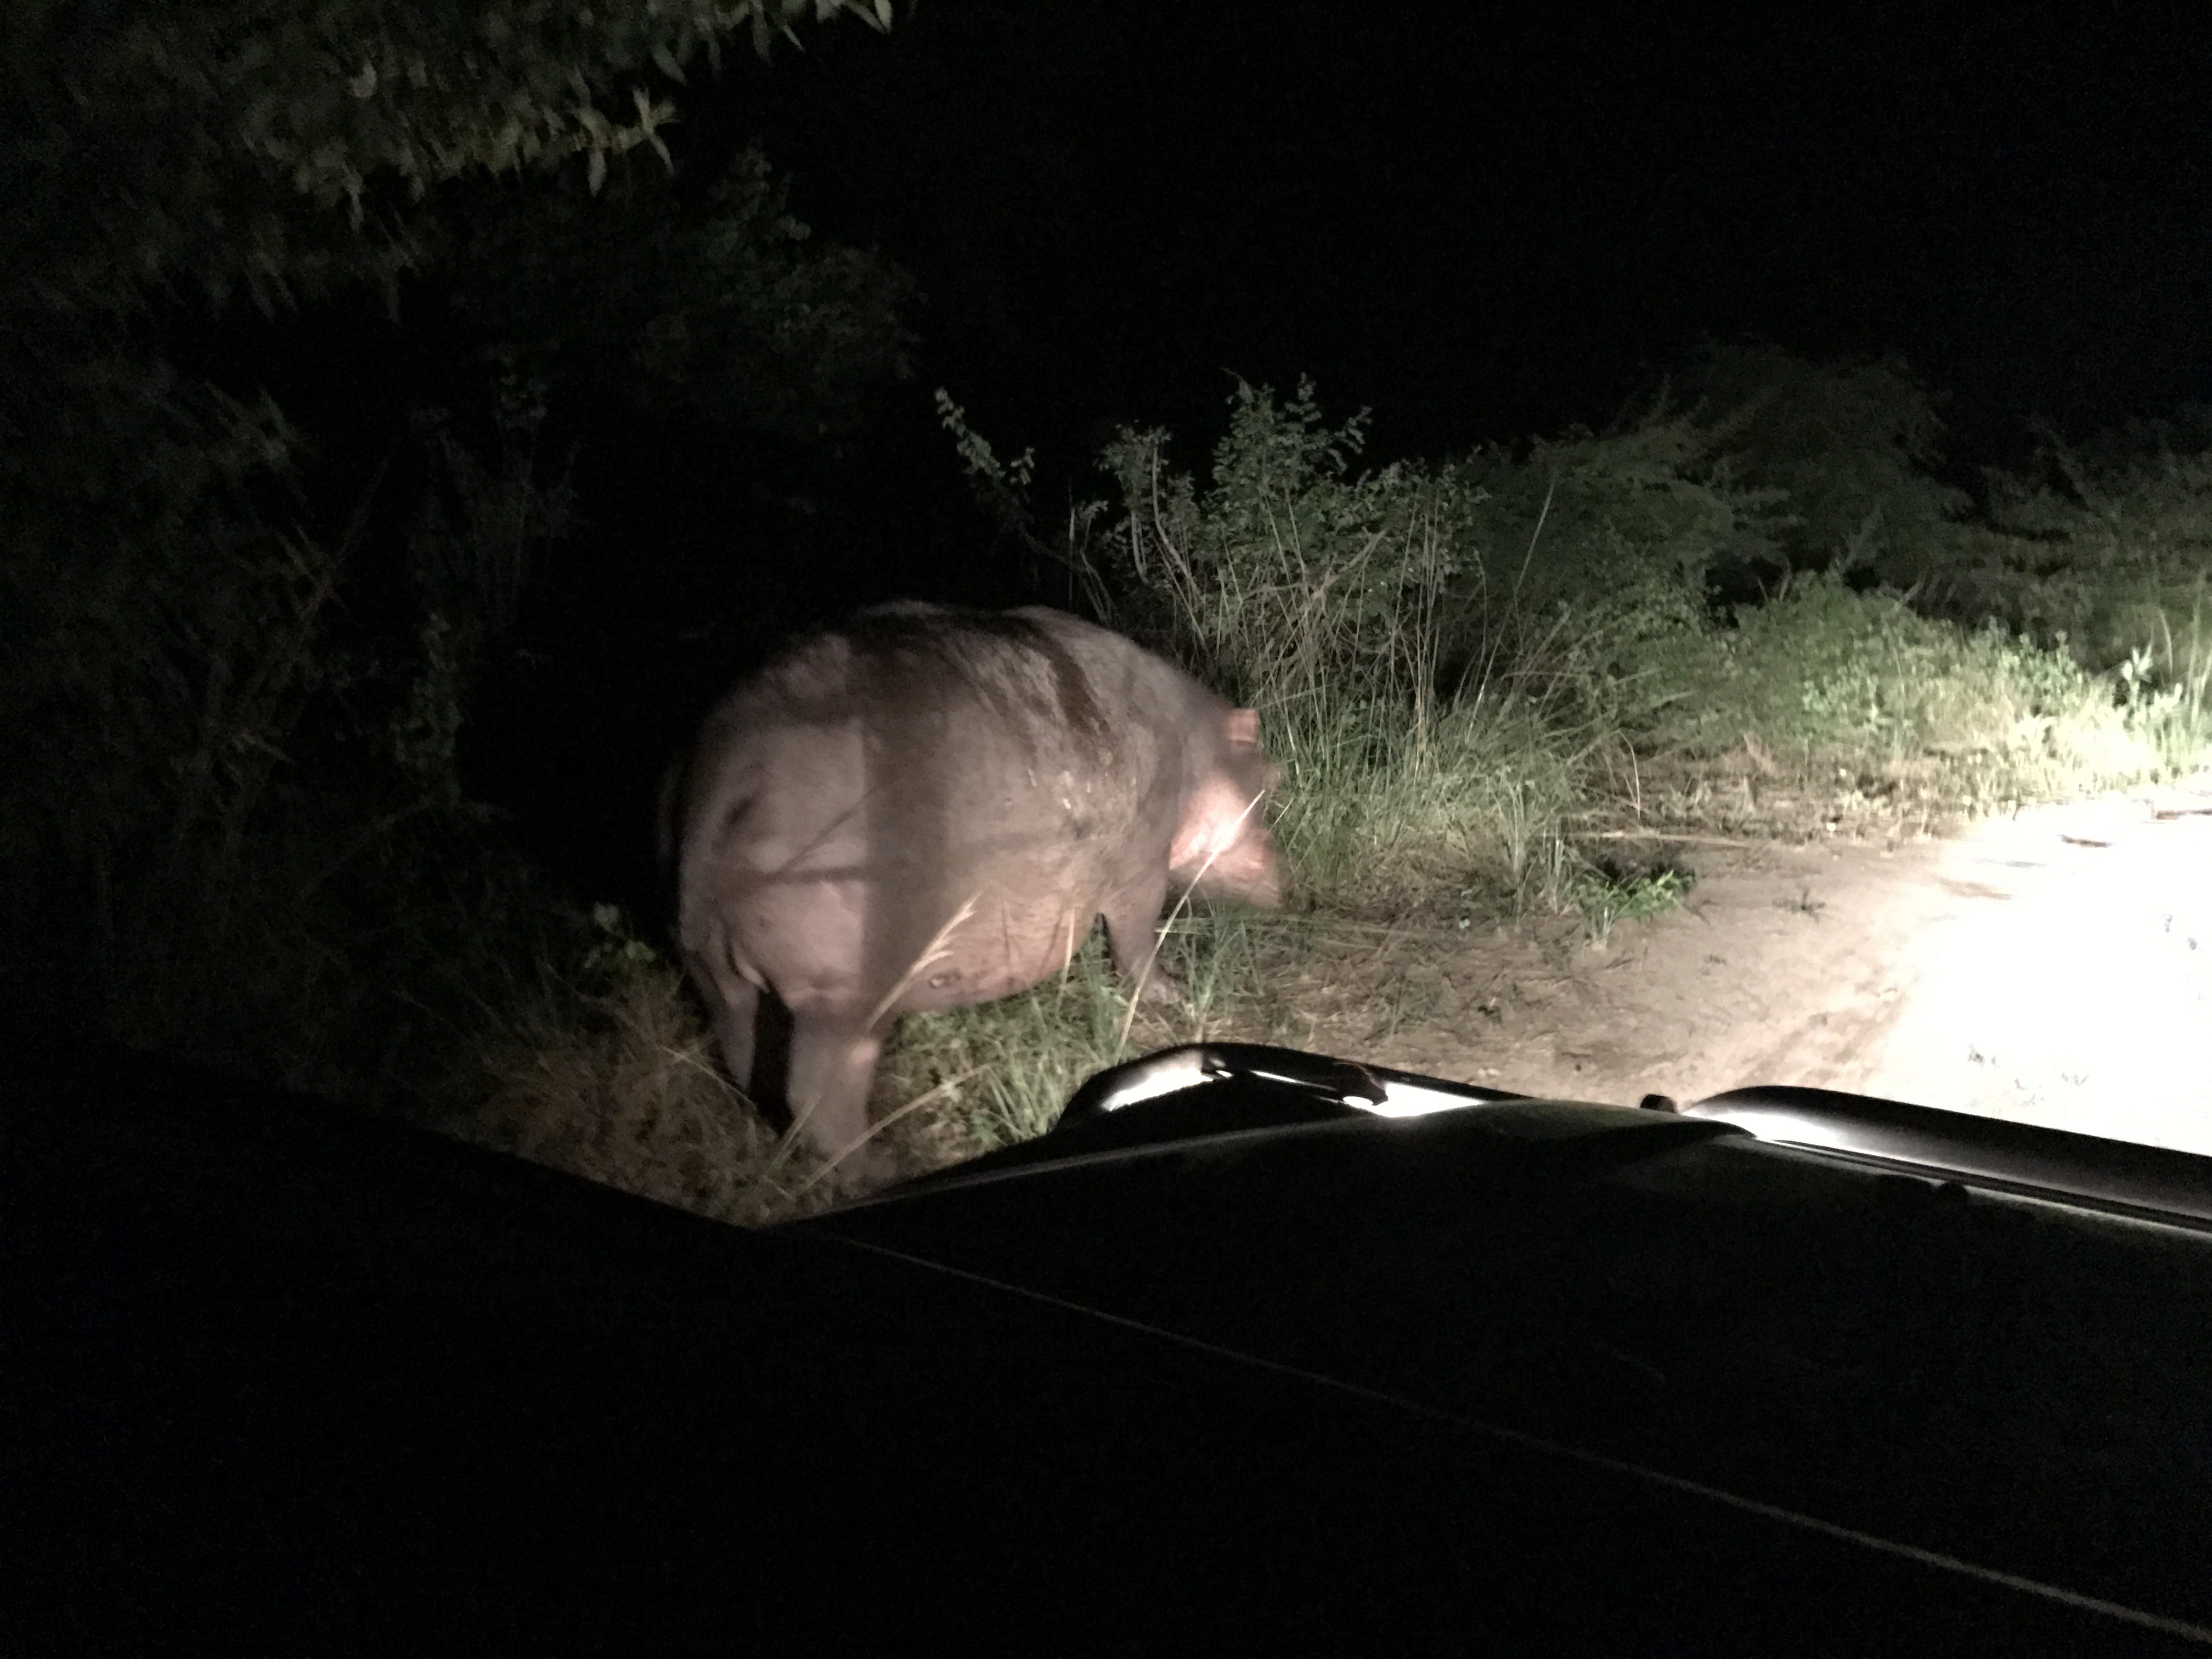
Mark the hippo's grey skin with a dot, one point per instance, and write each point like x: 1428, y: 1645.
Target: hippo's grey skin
x: 927, y: 808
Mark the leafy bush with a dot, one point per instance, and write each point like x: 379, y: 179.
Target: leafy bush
x: 1843, y: 451
x: 233, y: 824
x: 1289, y: 584
x: 2106, y: 550
x: 1609, y: 540
x: 293, y: 151
x: 726, y: 309
x: 1821, y: 681
x: 1440, y: 653
x: 237, y: 654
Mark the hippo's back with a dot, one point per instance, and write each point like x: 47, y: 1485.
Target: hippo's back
x: 973, y: 784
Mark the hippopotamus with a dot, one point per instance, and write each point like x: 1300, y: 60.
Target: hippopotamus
x: 927, y: 808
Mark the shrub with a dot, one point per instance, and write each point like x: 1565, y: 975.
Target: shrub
x: 1823, y: 681
x: 1441, y: 654
x: 1842, y: 451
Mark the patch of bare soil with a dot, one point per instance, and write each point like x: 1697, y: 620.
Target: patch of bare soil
x: 2054, y: 966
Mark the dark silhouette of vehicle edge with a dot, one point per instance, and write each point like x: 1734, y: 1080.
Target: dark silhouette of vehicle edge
x: 1255, y: 1351
x: 1263, y: 1086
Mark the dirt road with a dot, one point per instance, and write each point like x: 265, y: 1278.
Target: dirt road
x: 2054, y: 968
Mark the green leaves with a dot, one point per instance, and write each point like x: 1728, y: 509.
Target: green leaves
x: 726, y: 309
x: 204, y: 130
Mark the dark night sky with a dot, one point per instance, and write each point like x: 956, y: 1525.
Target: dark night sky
x: 1486, y: 222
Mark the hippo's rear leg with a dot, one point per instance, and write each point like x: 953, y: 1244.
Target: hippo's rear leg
x: 1133, y: 935
x: 737, y: 1012
x: 833, y: 1061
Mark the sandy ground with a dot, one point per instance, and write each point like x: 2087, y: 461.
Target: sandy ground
x: 2055, y: 967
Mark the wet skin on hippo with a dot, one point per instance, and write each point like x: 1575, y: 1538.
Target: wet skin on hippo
x: 927, y: 808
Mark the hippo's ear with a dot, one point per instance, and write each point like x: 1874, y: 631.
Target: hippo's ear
x: 1242, y: 726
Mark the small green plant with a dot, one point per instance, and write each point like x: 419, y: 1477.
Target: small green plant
x: 617, y: 953
x: 1608, y: 894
